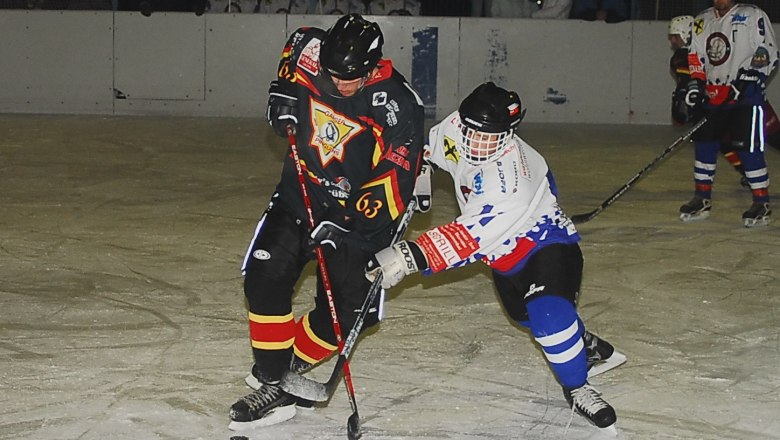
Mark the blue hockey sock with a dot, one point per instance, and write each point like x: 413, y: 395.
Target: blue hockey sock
x: 555, y: 325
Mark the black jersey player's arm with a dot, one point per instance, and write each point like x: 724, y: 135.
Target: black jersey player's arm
x: 397, y: 123
x: 283, y: 103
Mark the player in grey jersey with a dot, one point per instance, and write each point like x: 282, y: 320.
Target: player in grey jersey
x: 510, y: 220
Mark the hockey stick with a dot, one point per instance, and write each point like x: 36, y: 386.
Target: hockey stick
x: 306, y: 388
x: 582, y: 218
x: 353, y: 423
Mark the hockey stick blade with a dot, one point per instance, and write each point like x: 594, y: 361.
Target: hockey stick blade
x: 310, y: 389
x: 353, y: 427
x: 582, y: 218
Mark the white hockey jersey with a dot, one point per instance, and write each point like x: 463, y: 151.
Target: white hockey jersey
x: 721, y: 46
x: 509, y: 207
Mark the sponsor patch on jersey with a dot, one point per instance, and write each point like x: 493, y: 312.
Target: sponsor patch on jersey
x: 478, y: 182
x: 331, y: 132
x: 739, y: 19
x: 379, y: 99
x: 698, y: 26
x: 392, y: 107
x: 450, y: 150
x: 310, y: 56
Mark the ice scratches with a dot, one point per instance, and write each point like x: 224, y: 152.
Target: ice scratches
x: 20, y: 353
x: 687, y: 428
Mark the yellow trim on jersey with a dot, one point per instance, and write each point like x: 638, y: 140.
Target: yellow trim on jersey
x: 387, y: 183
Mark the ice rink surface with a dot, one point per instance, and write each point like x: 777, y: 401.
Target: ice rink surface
x: 122, y: 314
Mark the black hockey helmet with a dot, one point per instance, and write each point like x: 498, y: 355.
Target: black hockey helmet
x: 488, y: 118
x: 352, y: 47
x: 491, y: 109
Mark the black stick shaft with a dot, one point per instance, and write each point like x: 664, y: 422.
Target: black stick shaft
x: 582, y: 218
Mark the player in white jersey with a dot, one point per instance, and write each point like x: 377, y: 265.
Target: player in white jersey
x: 510, y: 220
x: 733, y: 52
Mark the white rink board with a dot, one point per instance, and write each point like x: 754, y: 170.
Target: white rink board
x: 220, y: 64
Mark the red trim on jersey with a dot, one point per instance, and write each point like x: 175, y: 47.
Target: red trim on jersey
x: 510, y: 260
x: 304, y: 80
x: 695, y: 67
x: 718, y: 94
x: 384, y: 71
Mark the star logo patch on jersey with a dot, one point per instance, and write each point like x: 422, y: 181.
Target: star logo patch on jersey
x: 331, y: 132
x: 698, y: 26
x: 450, y: 151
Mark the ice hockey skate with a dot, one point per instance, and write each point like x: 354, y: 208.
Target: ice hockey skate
x: 697, y: 208
x: 253, y: 382
x: 757, y: 215
x: 588, y: 403
x: 601, y: 355
x: 265, y: 406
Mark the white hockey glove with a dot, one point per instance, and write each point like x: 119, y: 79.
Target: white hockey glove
x: 422, y: 188
x: 395, y: 262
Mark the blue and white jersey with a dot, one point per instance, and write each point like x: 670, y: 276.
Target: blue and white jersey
x: 509, y: 206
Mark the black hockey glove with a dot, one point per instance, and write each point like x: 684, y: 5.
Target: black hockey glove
x: 679, y: 108
x: 282, y: 109
x: 748, y: 85
x: 330, y: 232
x: 395, y: 262
x: 422, y: 187
x: 694, y: 98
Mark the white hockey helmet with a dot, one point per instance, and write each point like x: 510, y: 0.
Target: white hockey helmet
x: 681, y: 26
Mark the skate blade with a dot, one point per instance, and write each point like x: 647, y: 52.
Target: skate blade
x: 685, y: 218
x: 756, y: 222
x: 273, y: 417
x: 617, y: 359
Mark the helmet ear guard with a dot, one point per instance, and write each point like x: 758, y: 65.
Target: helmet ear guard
x: 488, y: 119
x: 352, y: 48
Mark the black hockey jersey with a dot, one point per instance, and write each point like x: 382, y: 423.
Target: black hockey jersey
x: 360, y: 154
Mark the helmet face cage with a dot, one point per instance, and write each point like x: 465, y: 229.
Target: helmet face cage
x: 488, y: 118
x: 479, y: 147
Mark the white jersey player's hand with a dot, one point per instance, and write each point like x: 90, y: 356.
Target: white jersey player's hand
x: 394, y: 263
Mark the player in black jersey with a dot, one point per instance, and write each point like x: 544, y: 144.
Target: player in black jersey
x: 359, y: 134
